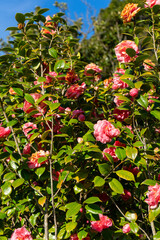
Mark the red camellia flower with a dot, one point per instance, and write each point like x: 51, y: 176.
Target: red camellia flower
x: 27, y: 149
x: 28, y: 107
x: 33, y: 163
x: 119, y: 144
x: 121, y: 54
x: 4, y: 132
x: 104, y: 131
x: 121, y: 115
x: 21, y: 234
x: 75, y: 237
x: 129, y: 11
x: 75, y: 91
x: 134, y: 92
x: 153, y: 196
x: 151, y: 3
x: 111, y: 151
x: 56, y: 174
x: 126, y: 196
x: 104, y: 222
x: 27, y: 127
x: 126, y: 228
x: 71, y: 77
x: 117, y: 82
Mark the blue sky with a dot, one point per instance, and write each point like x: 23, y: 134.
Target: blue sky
x: 75, y: 8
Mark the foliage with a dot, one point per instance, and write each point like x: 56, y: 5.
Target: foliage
x: 77, y: 153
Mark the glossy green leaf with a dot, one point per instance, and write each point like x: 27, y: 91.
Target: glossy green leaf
x: 1, y: 168
x: 131, y: 52
x: 157, y: 236
x: 12, y: 123
x: 143, y: 101
x: 53, y: 52
x: 34, y: 136
x: 6, y: 188
x: 18, y: 91
x: 71, y: 226
x: 104, y: 168
x: 20, y: 17
x: 134, y: 227
x: 43, y: 10
x: 42, y: 159
x: 132, y: 216
x: 92, y: 200
x: 131, y: 152
x: 54, y: 106
x: 90, y: 125
x: 93, y: 208
x: 127, y: 175
x: 2, y: 216
x: 78, y: 188
x: 98, y: 181
x: 10, y: 143
x: 18, y: 182
x: 120, y: 153
x: 156, y: 114
x: 39, y: 171
x: 154, y: 213
x: 59, y: 65
x: 33, y: 218
x: 116, y: 186
x: 73, y: 209
x: 29, y: 98
x: 42, y: 79
x: 9, y: 176
x: 82, y: 234
x: 149, y: 182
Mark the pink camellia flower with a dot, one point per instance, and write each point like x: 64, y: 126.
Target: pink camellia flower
x: 4, y: 132
x: 150, y: 98
x: 111, y: 151
x: 27, y: 127
x: 129, y: 11
x: 75, y: 91
x: 117, y: 82
x: 153, y: 195
x: 49, y: 24
x: 77, y: 112
x: 104, y: 131
x: 93, y: 67
x: 134, y: 92
x: 134, y: 170
x: 151, y: 3
x: 75, y: 237
x: 27, y: 149
x: 107, y: 82
x: 126, y: 196
x: 28, y: 107
x: 121, y: 115
x: 126, y: 228
x: 81, y: 118
x: 117, y: 101
x: 33, y: 163
x: 148, y: 65
x: 21, y: 234
x: 121, y: 54
x: 104, y: 222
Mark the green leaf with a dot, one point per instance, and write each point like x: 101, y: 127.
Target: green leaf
x: 42, y: 159
x: 53, y: 52
x: 12, y: 123
x: 18, y: 182
x: 71, y: 226
x: 104, y: 168
x: 33, y: 218
x: 131, y: 152
x: 20, y: 17
x: 127, y: 175
x: 116, y: 186
x: 73, y: 209
x: 134, y: 227
x: 9, y: 176
x: 120, y: 153
x: 10, y: 143
x: 59, y: 65
x: 157, y: 236
x: 132, y: 216
x: 98, y: 181
x: 29, y: 98
x: 92, y: 200
x: 131, y: 52
x: 18, y: 91
x: 93, y: 208
x: 149, y: 182
x: 1, y: 168
x: 43, y: 10
x: 82, y: 234
x: 2, y: 216
x: 143, y: 101
x: 12, y: 29
x: 54, y: 106
x: 154, y: 213
x: 156, y: 114
x: 78, y: 188
x: 6, y: 188
x: 90, y: 125
x: 39, y: 171
x: 41, y: 79
x: 35, y: 135
x: 42, y: 201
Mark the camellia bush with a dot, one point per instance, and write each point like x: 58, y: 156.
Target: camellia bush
x: 79, y: 156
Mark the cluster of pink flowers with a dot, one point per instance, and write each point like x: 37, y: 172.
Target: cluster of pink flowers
x: 75, y: 91
x: 21, y: 234
x: 103, y: 223
x: 151, y: 3
x: 111, y: 151
x: 121, y: 115
x: 117, y: 82
x: 28, y: 127
x: 33, y: 163
x: 71, y: 77
x: 153, y: 195
x: 4, y: 132
x: 79, y: 113
x: 92, y: 69
x: 104, y: 131
x: 126, y: 228
x: 121, y: 54
x: 49, y: 24
x: 41, y: 108
x: 129, y: 11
